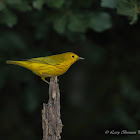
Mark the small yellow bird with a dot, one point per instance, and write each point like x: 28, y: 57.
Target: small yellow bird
x: 49, y: 66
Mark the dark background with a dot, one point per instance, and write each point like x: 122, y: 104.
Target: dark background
x: 98, y: 94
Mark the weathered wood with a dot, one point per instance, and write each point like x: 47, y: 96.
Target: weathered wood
x: 51, y: 122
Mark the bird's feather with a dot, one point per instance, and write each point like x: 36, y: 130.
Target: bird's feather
x: 46, y: 60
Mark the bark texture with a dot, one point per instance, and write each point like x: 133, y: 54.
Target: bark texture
x: 51, y: 122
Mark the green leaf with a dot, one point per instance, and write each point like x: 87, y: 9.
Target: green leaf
x: 100, y: 22
x: 55, y: 3
x: 60, y: 24
x: 78, y: 22
x: 128, y: 8
x: 7, y: 17
x: 38, y: 4
x: 109, y: 3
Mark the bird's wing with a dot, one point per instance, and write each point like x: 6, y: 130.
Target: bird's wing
x: 45, y: 60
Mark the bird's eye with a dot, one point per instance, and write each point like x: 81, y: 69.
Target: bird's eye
x: 72, y: 56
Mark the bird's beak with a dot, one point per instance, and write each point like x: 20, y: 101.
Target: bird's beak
x: 80, y: 58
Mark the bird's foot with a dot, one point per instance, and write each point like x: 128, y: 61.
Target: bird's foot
x: 46, y: 81
x: 43, y: 78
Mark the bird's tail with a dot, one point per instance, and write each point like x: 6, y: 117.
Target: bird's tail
x: 20, y: 63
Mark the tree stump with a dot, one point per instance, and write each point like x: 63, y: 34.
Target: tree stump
x: 51, y: 122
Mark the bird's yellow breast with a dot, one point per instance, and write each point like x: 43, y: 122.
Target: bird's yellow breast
x: 50, y: 70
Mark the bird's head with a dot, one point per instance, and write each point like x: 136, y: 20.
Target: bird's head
x: 72, y: 57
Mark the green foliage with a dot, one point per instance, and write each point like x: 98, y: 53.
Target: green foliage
x: 38, y: 4
x: 8, y: 17
x: 100, y: 22
x: 69, y: 18
x: 78, y: 22
x: 109, y: 3
x: 55, y: 3
x: 73, y: 20
x: 127, y: 8
x: 60, y: 23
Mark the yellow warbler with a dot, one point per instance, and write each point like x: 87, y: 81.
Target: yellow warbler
x: 49, y: 66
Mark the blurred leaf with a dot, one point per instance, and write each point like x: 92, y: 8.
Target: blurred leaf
x: 128, y: 8
x: 78, y: 22
x: 60, y: 23
x: 38, y: 4
x: 55, y: 3
x: 100, y: 21
x: 8, y: 17
x: 109, y: 3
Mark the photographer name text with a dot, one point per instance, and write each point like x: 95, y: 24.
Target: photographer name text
x: 122, y: 132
